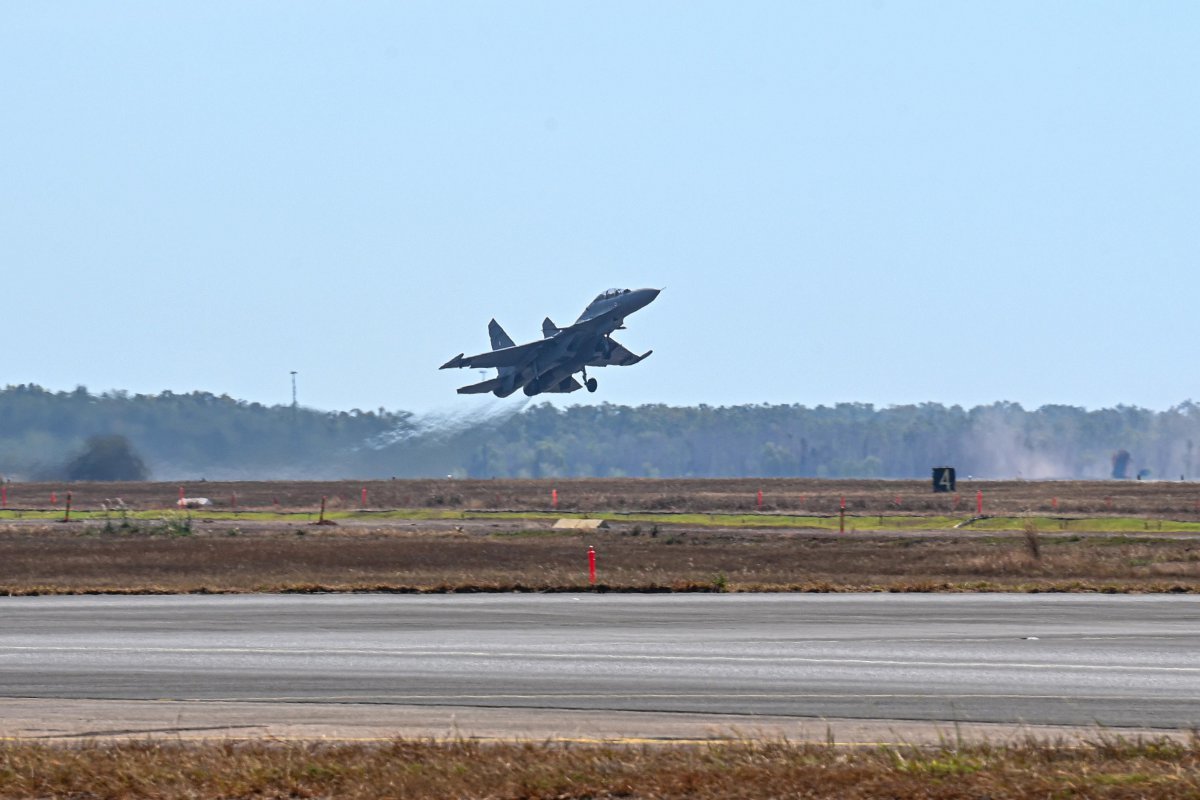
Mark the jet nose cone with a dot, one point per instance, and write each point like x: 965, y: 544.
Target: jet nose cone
x: 640, y: 298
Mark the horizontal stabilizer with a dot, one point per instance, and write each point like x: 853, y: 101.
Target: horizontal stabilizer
x: 483, y: 387
x: 548, y: 328
x: 457, y: 361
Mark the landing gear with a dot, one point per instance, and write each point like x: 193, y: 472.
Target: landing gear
x: 590, y: 383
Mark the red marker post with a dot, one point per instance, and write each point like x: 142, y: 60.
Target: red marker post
x: 54, y: 499
x: 554, y: 499
x: 180, y: 503
x: 591, y: 565
x: 1054, y: 503
x: 760, y: 499
x: 979, y: 503
x: 363, y: 502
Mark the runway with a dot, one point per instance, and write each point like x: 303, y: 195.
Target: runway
x: 633, y: 661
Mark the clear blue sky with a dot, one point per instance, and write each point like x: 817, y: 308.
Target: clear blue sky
x: 880, y: 201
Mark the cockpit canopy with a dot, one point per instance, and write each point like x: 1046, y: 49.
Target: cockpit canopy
x: 608, y: 294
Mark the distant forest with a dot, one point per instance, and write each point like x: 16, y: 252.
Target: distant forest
x: 176, y: 436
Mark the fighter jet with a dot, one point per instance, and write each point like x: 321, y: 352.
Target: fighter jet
x: 549, y: 365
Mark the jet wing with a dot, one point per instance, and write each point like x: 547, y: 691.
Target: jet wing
x: 504, y: 357
x: 618, y: 356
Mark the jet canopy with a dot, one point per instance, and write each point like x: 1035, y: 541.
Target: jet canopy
x: 608, y: 294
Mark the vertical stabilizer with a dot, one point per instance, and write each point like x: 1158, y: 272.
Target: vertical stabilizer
x: 500, y: 339
x: 548, y: 328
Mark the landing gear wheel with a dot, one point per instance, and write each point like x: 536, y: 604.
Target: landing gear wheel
x: 590, y: 384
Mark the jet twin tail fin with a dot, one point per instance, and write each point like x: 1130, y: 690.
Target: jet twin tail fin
x: 500, y: 339
x: 549, y: 328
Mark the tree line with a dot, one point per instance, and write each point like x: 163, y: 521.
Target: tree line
x: 45, y: 434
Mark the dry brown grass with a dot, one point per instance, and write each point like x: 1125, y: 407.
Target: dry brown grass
x: 54, y: 558
x: 793, y: 495
x: 414, y: 769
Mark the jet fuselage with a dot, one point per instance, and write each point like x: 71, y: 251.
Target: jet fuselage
x: 550, y: 364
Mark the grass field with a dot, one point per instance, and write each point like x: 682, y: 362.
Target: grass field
x: 845, y: 523
x: 673, y: 535
x: 1113, y: 767
x: 177, y: 555
x: 799, y: 496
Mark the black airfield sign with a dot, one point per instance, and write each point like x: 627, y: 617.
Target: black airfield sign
x: 943, y: 479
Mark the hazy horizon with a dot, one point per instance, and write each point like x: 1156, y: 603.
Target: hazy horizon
x: 488, y: 406
x: 54, y: 435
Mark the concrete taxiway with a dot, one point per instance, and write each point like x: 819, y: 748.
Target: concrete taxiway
x: 871, y: 667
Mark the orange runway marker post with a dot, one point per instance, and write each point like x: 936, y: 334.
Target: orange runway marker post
x: 554, y: 499
x: 979, y: 503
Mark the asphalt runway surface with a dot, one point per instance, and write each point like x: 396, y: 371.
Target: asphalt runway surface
x: 1040, y: 660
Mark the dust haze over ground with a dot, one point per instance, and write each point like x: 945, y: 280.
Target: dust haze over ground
x: 1006, y: 452
x: 441, y: 424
